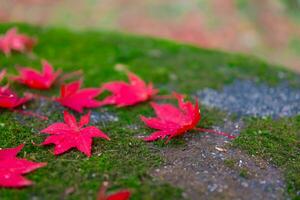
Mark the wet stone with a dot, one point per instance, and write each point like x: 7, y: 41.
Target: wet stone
x: 103, y: 116
x: 244, y: 97
x: 47, y: 108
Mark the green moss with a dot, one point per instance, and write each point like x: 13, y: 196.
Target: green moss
x: 278, y: 142
x: 230, y: 163
x: 125, y: 161
x: 244, y: 173
x: 174, y: 66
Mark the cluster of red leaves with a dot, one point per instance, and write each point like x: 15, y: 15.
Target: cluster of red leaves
x: 169, y: 123
x: 12, y: 168
x: 13, y: 41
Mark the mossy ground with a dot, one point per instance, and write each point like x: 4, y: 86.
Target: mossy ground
x: 278, y: 142
x: 126, y: 160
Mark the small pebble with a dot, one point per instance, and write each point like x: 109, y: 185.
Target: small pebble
x: 245, y: 184
x: 240, y: 163
x: 212, y: 188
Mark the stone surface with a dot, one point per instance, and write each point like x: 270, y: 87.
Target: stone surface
x: 207, y: 168
x: 252, y: 99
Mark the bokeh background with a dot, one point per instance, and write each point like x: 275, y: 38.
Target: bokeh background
x: 266, y: 28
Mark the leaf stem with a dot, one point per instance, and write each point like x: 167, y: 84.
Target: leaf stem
x: 164, y: 97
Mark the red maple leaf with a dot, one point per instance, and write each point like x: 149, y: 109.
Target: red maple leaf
x: 75, y: 98
x: 120, y: 195
x: 12, y: 40
x: 12, y: 168
x: 10, y: 100
x: 72, y: 134
x: 35, y: 79
x: 128, y: 94
x: 171, y: 121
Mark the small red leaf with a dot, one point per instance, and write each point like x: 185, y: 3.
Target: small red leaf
x: 35, y: 79
x: 12, y: 40
x: 172, y: 121
x: 128, y: 94
x: 77, y: 99
x: 120, y: 195
x: 72, y: 135
x: 12, y: 168
x: 9, y: 99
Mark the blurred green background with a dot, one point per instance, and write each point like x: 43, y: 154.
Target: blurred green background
x: 267, y: 28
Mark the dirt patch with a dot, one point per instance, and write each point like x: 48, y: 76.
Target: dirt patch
x: 206, y: 167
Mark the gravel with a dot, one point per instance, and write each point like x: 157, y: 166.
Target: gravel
x: 253, y: 99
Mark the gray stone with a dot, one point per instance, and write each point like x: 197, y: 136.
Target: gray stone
x: 253, y: 99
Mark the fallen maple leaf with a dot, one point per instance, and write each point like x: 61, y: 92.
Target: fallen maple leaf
x: 72, y: 134
x: 120, y: 195
x: 12, y: 168
x: 10, y: 100
x: 35, y: 79
x: 171, y: 121
x: 12, y: 40
x: 77, y: 99
x: 128, y: 94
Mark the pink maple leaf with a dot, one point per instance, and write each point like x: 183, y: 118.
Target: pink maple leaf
x: 171, y: 121
x: 12, y: 168
x: 128, y: 94
x: 120, y: 195
x: 77, y: 99
x: 35, y: 79
x: 10, y: 100
x: 72, y: 134
x: 12, y: 40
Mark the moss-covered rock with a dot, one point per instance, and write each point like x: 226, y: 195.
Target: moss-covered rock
x: 125, y: 161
